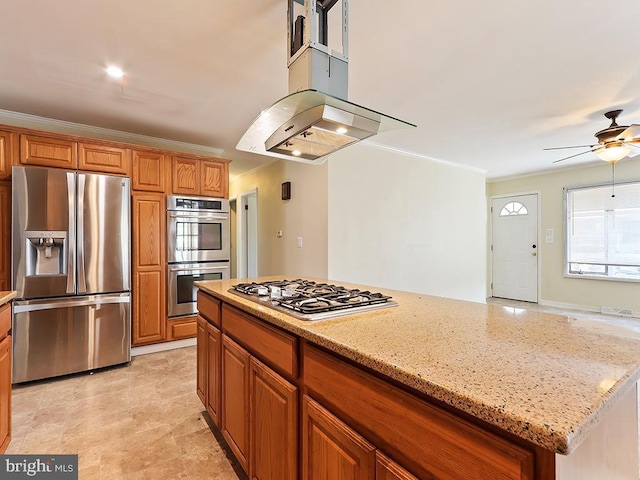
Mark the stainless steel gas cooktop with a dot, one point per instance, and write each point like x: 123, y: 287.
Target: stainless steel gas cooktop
x: 308, y: 300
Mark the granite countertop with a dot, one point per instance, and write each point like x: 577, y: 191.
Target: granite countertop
x: 545, y: 378
x: 6, y: 296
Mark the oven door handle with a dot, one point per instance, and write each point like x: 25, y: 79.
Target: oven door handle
x: 200, y: 216
x: 194, y: 271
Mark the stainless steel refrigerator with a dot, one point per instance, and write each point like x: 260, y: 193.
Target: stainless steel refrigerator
x: 71, y: 271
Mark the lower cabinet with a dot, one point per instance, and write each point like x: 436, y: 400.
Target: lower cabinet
x: 235, y: 400
x: 332, y: 450
x: 5, y: 393
x: 273, y: 435
x: 214, y: 350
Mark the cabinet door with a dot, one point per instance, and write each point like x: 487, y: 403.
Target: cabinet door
x: 274, y: 427
x: 214, y: 179
x: 235, y: 399
x: 202, y: 360
x: 103, y: 158
x: 214, y: 373
x: 48, y: 152
x: 332, y: 450
x: 5, y: 238
x: 149, y: 171
x: 149, y: 295
x: 387, y: 469
x: 185, y: 176
x: 5, y: 393
x: 7, y: 150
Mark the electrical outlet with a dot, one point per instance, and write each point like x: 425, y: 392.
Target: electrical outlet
x: 279, y: 233
x: 299, y: 242
x: 549, y: 235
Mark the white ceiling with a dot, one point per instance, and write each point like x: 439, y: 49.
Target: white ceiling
x: 489, y: 84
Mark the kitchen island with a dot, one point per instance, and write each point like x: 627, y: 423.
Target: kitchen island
x: 434, y: 387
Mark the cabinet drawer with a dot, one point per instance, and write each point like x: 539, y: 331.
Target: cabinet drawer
x: 209, y: 307
x: 5, y: 320
x: 271, y: 345
x: 182, y: 329
x: 422, y: 436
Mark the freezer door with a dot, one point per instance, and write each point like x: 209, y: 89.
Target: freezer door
x: 103, y: 234
x: 69, y: 335
x: 43, y: 229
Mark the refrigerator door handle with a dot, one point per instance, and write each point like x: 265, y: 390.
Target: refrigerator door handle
x: 82, y: 280
x: 71, y: 239
x: 35, y: 305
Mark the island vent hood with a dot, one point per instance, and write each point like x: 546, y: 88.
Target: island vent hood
x: 315, y: 119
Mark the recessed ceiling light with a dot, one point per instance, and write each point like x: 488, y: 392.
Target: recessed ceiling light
x: 115, y: 72
x: 341, y: 130
x: 297, y: 153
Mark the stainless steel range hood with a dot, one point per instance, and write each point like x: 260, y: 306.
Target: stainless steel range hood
x: 309, y: 124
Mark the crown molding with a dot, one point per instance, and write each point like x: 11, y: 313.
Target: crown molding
x: 25, y: 120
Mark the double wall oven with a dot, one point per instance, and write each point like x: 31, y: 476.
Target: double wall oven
x: 198, y: 248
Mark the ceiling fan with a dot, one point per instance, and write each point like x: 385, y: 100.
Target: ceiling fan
x: 614, y: 142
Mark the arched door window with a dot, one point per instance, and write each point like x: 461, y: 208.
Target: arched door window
x: 513, y: 208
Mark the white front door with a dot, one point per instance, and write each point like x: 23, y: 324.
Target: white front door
x: 515, y: 247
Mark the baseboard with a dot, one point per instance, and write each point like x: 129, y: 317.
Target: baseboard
x: 161, y: 347
x: 569, y: 306
x: 586, y: 308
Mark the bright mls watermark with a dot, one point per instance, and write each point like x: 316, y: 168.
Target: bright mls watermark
x: 52, y: 467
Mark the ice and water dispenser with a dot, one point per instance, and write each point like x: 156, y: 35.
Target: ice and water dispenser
x: 46, y: 253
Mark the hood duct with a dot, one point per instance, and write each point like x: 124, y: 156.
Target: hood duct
x: 308, y: 124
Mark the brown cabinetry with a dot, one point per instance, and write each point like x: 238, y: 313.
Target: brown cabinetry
x: 208, y: 386
x: 387, y: 469
x: 149, y: 271
x: 235, y: 399
x: 196, y: 176
x: 149, y: 171
x: 425, y: 438
x: 5, y: 238
x: 5, y: 377
x: 273, y: 445
x: 8, y: 149
x: 330, y: 449
x: 104, y: 158
x: 48, y: 151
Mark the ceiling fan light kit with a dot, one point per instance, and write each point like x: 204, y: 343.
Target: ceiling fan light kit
x: 613, y: 151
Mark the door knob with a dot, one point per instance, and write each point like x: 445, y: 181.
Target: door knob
x: 533, y: 254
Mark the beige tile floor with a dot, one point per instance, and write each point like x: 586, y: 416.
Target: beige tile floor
x: 141, y: 421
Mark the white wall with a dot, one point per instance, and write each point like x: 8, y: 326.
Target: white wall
x: 305, y: 215
x: 407, y: 223
x: 555, y: 289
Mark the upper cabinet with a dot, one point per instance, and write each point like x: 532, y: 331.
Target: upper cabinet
x: 149, y: 171
x: 195, y: 176
x: 103, y: 158
x: 7, y: 149
x: 48, y: 151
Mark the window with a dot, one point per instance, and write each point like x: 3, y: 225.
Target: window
x: 603, y: 231
x: 513, y: 208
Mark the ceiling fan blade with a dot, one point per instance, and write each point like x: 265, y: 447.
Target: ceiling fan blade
x: 571, y: 156
x: 573, y: 146
x: 636, y: 151
x: 631, y: 132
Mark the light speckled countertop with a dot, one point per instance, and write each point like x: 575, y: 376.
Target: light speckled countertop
x: 5, y: 296
x: 545, y: 378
